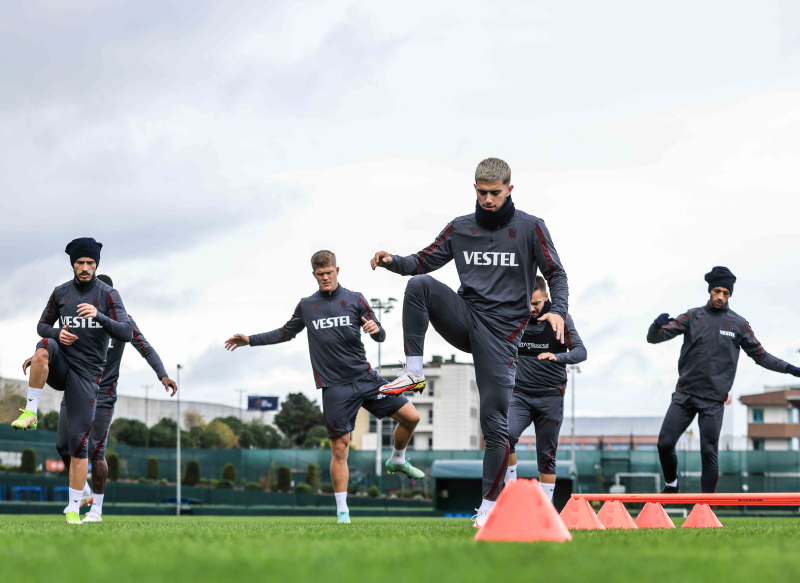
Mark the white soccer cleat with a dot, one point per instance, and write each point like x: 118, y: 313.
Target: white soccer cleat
x: 480, y: 518
x: 405, y: 381
x: 85, y: 501
x: 92, y: 517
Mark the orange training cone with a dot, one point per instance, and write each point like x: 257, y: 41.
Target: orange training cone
x: 653, y: 515
x: 702, y: 516
x: 614, y: 515
x: 523, y: 513
x: 578, y: 515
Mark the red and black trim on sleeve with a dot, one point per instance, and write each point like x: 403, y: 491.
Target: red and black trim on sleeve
x: 548, y: 258
x: 285, y: 328
x: 760, y: 354
x: 433, y: 246
x: 138, y: 342
x: 50, y: 305
x: 673, y: 324
x: 369, y: 310
x: 112, y: 307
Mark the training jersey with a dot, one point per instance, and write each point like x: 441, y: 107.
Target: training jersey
x: 333, y: 321
x: 87, y: 355
x: 545, y: 377
x: 108, y: 383
x: 496, y: 267
x: 710, y: 352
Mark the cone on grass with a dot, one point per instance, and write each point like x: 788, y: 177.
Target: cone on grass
x: 523, y: 513
x: 578, y: 515
x: 702, y: 516
x: 653, y: 515
x: 614, y: 515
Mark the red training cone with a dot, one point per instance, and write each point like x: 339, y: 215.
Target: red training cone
x: 702, y: 516
x: 523, y: 513
x: 653, y: 515
x: 614, y: 515
x: 578, y: 515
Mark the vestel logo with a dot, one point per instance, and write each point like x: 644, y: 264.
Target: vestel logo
x: 491, y: 258
x: 77, y: 322
x: 331, y: 322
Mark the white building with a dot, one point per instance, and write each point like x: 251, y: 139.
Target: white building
x: 773, y: 418
x: 448, y: 407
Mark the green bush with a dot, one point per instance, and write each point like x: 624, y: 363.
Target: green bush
x: 112, y: 461
x: 417, y: 492
x: 142, y: 480
x: 312, y: 476
x: 153, y: 468
x: 254, y: 486
x: 229, y: 473
x: 28, y: 465
x: 351, y: 489
x: 49, y: 421
x: 374, y: 492
x: 192, y: 477
x: 362, y: 490
x: 303, y: 488
x: 274, y: 486
x: 163, y: 481
x: 284, y: 479
x: 327, y: 487
x: 225, y: 484
x: 404, y: 494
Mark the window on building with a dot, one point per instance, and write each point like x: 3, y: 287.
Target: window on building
x: 758, y: 415
x: 758, y: 444
x: 473, y: 412
x: 429, y: 387
x: 794, y: 444
x: 645, y: 447
x: 794, y: 415
x: 430, y: 416
x: 373, y: 424
x: 430, y: 443
x: 473, y: 440
x: 620, y: 446
x: 589, y: 447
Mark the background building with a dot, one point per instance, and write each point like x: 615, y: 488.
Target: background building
x: 773, y: 418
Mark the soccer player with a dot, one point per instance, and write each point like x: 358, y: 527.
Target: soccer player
x: 713, y: 335
x: 333, y: 316
x: 71, y: 358
x: 104, y: 413
x: 497, y: 250
x: 539, y: 390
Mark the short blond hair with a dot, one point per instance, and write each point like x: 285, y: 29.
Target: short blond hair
x: 493, y: 169
x: 323, y: 259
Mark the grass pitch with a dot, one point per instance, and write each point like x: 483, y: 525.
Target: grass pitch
x: 152, y: 549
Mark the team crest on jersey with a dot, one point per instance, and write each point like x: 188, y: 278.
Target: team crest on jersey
x: 316, y: 306
x: 344, y: 303
x: 727, y: 325
x: 66, y: 299
x: 96, y: 302
x: 474, y: 232
x: 512, y: 232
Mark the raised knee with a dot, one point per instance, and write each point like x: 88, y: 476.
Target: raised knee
x: 41, y: 357
x: 418, y: 283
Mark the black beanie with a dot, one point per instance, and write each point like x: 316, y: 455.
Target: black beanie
x: 722, y: 277
x: 83, y: 247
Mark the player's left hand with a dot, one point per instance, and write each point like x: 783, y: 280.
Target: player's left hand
x: 87, y: 311
x: 169, y: 384
x: 370, y: 327
x: 547, y: 356
x: 25, y: 365
x: 557, y: 322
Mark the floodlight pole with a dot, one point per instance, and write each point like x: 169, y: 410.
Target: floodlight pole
x: 381, y: 306
x: 241, y: 392
x: 178, y: 446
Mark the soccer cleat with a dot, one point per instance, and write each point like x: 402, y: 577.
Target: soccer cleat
x: 480, y: 518
x: 85, y: 501
x: 671, y: 490
x: 25, y: 421
x: 343, y: 517
x: 404, y: 468
x: 92, y: 517
x: 405, y: 381
x: 73, y: 518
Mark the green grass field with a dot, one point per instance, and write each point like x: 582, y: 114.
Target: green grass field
x: 151, y: 549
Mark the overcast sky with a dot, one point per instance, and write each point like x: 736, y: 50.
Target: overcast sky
x: 213, y: 147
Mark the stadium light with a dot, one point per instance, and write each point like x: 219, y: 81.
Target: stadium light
x: 381, y: 307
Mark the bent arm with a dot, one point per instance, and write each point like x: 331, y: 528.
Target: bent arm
x: 144, y: 348
x: 755, y: 350
x: 366, y: 312
x: 116, y: 323
x: 49, y: 317
x: 679, y: 325
x: 434, y: 256
x: 285, y: 333
x: 550, y: 265
x: 576, y: 351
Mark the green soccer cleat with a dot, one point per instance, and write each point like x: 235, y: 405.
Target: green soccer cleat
x: 406, y: 468
x: 73, y: 518
x: 25, y: 421
x: 344, y: 517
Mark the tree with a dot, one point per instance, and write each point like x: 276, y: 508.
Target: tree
x: 164, y: 433
x: 192, y: 419
x: 153, y: 468
x: 130, y: 432
x: 297, y: 416
x: 312, y: 476
x: 192, y: 473
x: 314, y: 437
x: 233, y: 422
x: 28, y: 463
x: 112, y: 460
x: 49, y: 421
x: 229, y: 472
x: 284, y: 479
x: 215, y: 435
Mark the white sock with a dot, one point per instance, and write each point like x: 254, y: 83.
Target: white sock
x: 398, y: 457
x: 97, y: 504
x: 33, y: 399
x: 87, y: 489
x: 414, y: 364
x: 486, y: 505
x: 511, y: 474
x: 548, y: 490
x: 341, y: 501
x: 673, y: 483
x: 74, y: 504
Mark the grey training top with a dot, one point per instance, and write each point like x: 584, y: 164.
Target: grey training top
x: 87, y: 355
x: 334, y: 325
x: 114, y: 358
x: 711, y: 342
x: 545, y: 377
x: 496, y: 267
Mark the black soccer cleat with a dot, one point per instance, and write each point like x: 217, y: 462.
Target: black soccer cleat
x: 671, y: 490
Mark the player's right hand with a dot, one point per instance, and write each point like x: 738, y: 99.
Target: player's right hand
x: 662, y: 320
x: 381, y: 259
x: 236, y: 341
x: 65, y: 337
x: 25, y: 365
